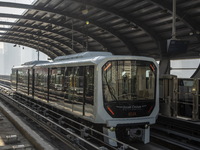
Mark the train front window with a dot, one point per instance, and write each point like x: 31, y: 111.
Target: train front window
x: 128, y: 80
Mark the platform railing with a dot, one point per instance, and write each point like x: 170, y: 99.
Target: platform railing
x: 5, y: 77
x: 180, y: 97
x: 5, y: 80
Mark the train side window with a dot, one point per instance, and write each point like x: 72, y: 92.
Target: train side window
x: 69, y: 83
x: 53, y: 78
x: 44, y: 77
x: 20, y: 80
x: 40, y: 89
x: 56, y: 82
x: 37, y: 77
x: 20, y: 76
x: 13, y: 79
x: 30, y: 82
x: 59, y: 78
x: 23, y: 81
x: 79, y: 80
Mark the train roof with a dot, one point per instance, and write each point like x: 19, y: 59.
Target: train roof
x: 82, y: 55
x: 85, y: 58
x: 35, y: 62
x: 31, y: 64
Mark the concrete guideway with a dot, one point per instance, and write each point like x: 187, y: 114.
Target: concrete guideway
x: 35, y: 139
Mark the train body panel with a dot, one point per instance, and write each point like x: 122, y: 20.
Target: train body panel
x: 101, y: 88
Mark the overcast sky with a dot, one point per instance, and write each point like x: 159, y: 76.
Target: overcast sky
x: 17, y: 11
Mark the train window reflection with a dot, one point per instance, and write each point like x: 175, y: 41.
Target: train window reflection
x: 128, y: 80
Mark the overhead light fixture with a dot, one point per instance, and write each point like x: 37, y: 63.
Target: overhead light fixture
x: 191, y: 33
x: 104, y: 49
x: 85, y: 11
x: 87, y: 22
x: 134, y: 27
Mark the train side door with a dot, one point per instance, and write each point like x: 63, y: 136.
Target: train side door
x: 77, y: 90
x: 17, y: 80
x: 14, y: 79
x: 88, y: 105
x: 33, y: 83
x: 28, y: 81
x: 68, y: 87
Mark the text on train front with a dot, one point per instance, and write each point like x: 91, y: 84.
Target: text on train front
x: 129, y: 88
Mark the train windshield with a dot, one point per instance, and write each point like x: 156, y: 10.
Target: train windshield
x: 129, y: 80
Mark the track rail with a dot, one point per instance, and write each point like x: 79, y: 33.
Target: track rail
x: 57, y: 125
x: 5, y: 81
x: 176, y: 133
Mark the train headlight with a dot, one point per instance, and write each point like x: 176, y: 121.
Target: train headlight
x: 112, y: 129
x: 193, y: 90
x: 146, y: 126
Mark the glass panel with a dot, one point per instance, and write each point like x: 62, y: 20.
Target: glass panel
x: 23, y: 81
x: 183, y: 73
x: 10, y: 10
x: 184, y: 68
x: 89, y: 91
x: 78, y: 90
x: 56, y: 84
x: 13, y: 79
x: 67, y: 88
x: 20, y: 1
x: 189, y: 63
x: 30, y: 82
x: 185, y: 97
x: 128, y: 80
x: 41, y: 83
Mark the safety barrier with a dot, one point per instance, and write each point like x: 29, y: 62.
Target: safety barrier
x: 180, y: 97
x: 5, y: 80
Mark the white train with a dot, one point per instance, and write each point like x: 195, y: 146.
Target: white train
x: 118, y: 93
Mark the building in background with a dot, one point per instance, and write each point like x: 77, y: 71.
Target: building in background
x: 1, y: 59
x: 15, y: 55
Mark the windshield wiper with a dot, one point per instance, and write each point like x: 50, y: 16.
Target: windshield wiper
x: 109, y: 88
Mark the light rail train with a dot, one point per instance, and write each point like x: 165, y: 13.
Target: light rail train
x: 117, y: 93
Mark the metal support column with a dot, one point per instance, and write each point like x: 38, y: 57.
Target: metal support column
x: 174, y: 20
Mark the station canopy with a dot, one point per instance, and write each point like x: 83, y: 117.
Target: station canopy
x: 126, y: 27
